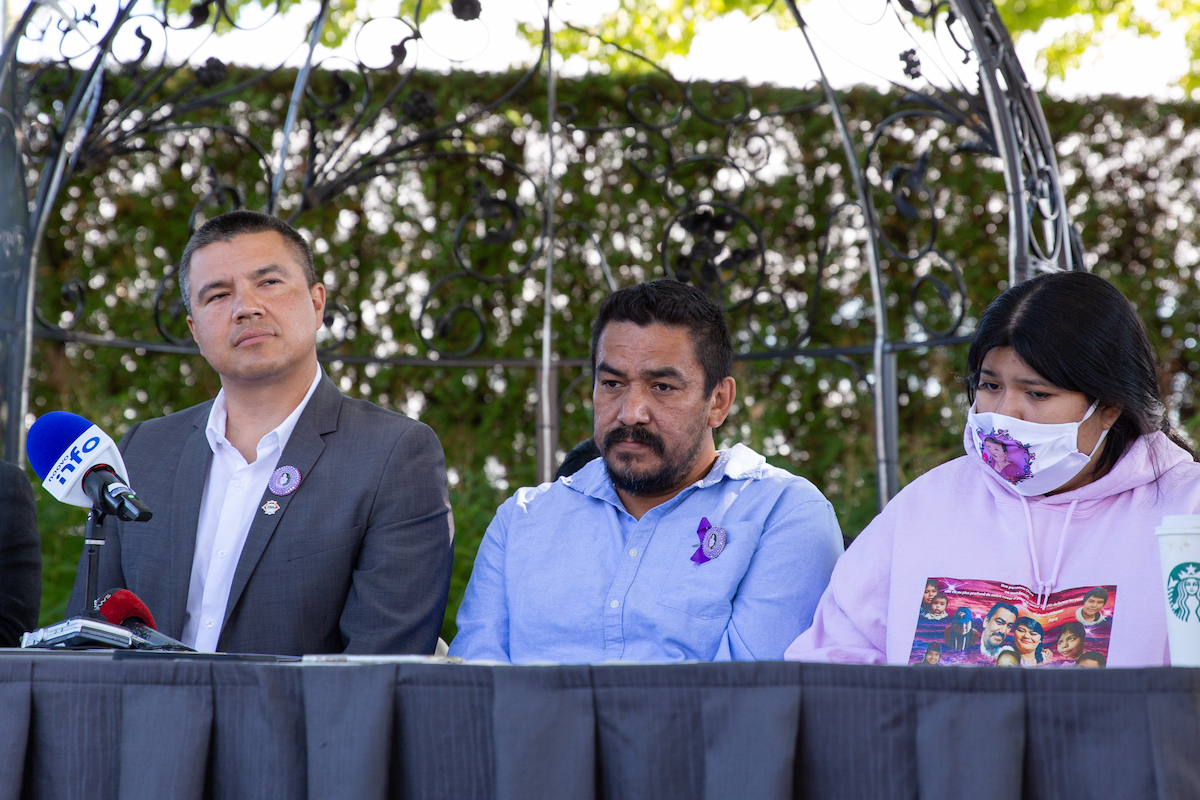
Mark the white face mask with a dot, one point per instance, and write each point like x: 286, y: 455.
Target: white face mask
x: 1030, y: 458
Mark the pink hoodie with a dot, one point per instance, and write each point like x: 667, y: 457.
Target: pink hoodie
x: 975, y: 537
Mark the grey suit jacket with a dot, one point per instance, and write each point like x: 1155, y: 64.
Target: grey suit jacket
x: 20, y: 556
x: 356, y: 560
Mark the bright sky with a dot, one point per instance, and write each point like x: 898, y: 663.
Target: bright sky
x: 859, y: 41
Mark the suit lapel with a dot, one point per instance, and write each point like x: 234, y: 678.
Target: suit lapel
x: 303, y: 449
x: 190, y: 477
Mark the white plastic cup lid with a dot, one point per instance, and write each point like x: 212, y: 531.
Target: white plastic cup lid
x: 1179, y: 524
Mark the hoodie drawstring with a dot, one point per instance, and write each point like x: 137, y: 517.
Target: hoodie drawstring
x: 1044, y: 588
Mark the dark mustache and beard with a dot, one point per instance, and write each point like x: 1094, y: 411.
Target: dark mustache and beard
x: 672, y: 470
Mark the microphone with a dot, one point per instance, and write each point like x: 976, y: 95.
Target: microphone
x: 106, y: 489
x: 80, y: 465
x: 123, y: 607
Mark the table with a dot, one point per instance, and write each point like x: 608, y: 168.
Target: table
x: 98, y: 726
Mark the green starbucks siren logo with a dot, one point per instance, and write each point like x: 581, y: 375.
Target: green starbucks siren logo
x: 1183, y: 591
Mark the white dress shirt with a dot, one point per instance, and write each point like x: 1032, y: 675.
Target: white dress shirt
x: 231, y: 500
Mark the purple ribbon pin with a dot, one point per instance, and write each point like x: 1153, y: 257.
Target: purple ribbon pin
x: 712, y: 541
x: 284, y: 481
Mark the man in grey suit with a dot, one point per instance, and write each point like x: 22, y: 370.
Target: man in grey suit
x: 288, y: 518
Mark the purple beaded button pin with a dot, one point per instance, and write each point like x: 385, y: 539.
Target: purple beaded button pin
x: 284, y: 481
x: 712, y: 541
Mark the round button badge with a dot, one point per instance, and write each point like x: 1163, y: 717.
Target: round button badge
x: 284, y: 481
x: 714, y: 542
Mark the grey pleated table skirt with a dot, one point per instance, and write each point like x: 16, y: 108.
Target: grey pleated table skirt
x: 91, y: 726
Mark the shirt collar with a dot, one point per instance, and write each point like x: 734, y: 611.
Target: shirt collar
x: 737, y: 463
x: 218, y: 416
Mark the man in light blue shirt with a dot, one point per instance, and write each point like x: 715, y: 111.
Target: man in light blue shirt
x: 663, y: 549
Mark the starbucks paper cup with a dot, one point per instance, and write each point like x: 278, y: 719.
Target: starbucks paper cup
x: 1179, y: 551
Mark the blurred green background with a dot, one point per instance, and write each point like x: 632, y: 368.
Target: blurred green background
x: 1129, y: 170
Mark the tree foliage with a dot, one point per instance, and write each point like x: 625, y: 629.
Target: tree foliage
x: 1098, y: 21
x: 655, y: 30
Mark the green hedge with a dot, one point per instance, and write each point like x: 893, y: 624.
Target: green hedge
x: 1129, y: 167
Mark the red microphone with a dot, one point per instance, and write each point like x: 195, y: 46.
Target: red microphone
x: 119, y: 606
x: 123, y: 607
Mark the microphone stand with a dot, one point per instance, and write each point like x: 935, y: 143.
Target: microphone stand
x: 90, y: 629
x: 93, y: 538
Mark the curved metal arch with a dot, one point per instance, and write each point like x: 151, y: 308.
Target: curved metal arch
x: 1031, y: 180
x: 1031, y: 174
x: 887, y: 457
x: 337, y: 161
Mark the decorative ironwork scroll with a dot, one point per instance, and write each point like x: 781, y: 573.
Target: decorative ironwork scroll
x: 453, y: 230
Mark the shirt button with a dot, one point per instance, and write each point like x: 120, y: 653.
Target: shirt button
x: 237, y: 486
x: 221, y: 553
x: 613, y: 604
x: 633, y: 551
x: 208, y: 623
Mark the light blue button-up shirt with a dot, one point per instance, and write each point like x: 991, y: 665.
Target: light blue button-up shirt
x: 566, y: 574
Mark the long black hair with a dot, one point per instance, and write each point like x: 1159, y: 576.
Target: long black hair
x: 1039, y: 652
x: 1079, y: 332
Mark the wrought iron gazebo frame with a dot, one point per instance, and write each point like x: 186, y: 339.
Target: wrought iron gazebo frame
x: 1005, y: 116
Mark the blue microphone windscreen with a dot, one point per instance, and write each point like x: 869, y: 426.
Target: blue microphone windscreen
x: 49, y: 438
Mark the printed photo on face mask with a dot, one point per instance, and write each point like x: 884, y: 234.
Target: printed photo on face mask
x: 1031, y: 458
x: 989, y: 623
x: 1009, y: 458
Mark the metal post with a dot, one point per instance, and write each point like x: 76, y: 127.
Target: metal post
x: 14, y: 282
x: 16, y: 266
x: 887, y: 475
x: 547, y: 374
x: 294, y: 106
x: 890, y: 483
x: 547, y: 382
x: 93, y: 539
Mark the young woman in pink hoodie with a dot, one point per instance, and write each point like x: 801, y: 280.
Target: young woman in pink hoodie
x: 1060, y: 374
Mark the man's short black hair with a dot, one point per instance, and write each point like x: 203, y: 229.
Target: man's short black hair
x: 669, y: 302
x: 579, y: 457
x: 1099, y: 591
x: 1006, y: 606
x: 228, y: 226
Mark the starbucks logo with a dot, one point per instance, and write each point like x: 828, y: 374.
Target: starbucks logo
x: 1183, y: 591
